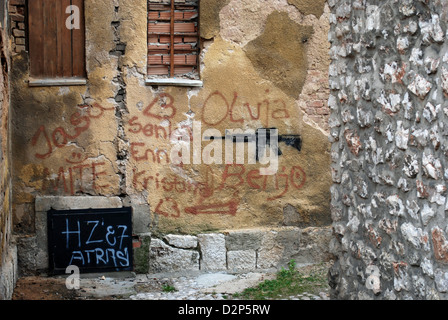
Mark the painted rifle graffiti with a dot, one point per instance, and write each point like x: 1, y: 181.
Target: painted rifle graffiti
x: 157, y: 122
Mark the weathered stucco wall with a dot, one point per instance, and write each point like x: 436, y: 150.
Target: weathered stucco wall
x: 388, y: 125
x: 4, y: 156
x: 263, y: 64
x: 8, y: 254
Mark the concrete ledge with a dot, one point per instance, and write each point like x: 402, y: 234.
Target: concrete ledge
x: 174, y: 82
x: 43, y: 204
x: 56, y: 82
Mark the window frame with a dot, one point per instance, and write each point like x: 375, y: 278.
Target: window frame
x: 172, y: 79
x: 58, y: 79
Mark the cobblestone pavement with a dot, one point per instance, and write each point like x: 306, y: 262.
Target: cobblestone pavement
x: 215, y: 287
x: 130, y: 286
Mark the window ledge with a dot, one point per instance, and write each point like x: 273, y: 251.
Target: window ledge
x: 57, y: 82
x: 174, y: 82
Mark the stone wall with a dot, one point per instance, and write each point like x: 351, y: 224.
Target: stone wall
x: 239, y: 250
x: 388, y: 128
x: 262, y: 65
x: 8, y: 254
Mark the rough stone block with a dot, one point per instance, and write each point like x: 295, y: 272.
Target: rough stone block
x: 270, y: 253
x: 243, y: 240
x: 8, y: 273
x: 278, y: 247
x: 27, y: 255
x: 241, y: 260
x: 213, y: 251
x: 314, y: 245
x: 164, y: 258
x: 182, y: 241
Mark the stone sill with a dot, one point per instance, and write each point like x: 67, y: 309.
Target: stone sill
x: 174, y: 82
x: 57, y: 82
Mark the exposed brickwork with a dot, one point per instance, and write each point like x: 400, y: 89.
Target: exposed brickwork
x: 185, y: 41
x: 314, y: 98
x: 17, y: 18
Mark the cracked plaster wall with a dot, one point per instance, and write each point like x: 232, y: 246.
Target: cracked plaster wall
x: 111, y: 137
x: 8, y: 252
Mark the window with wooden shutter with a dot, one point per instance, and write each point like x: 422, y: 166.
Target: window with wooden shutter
x: 56, y: 46
x: 173, y: 39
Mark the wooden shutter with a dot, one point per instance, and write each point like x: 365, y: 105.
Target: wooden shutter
x: 173, y: 38
x: 55, y: 51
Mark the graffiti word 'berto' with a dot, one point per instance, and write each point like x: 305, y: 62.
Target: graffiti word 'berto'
x: 257, y: 146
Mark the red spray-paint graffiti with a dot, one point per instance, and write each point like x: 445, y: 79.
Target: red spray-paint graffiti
x: 76, y: 178
x: 234, y: 177
x: 60, y: 137
x: 273, y: 109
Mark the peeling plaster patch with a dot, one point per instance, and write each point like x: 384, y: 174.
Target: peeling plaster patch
x: 315, y: 7
x: 209, y: 24
x: 236, y: 29
x: 63, y: 91
x: 277, y: 55
x: 191, y: 93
